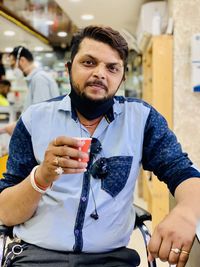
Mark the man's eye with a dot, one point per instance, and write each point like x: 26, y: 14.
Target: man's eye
x: 88, y: 63
x: 113, y: 68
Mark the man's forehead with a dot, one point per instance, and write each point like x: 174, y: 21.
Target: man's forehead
x: 90, y: 43
x: 93, y: 47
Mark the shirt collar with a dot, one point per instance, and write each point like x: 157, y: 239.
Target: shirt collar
x: 117, y: 107
x: 65, y: 105
x: 31, y: 74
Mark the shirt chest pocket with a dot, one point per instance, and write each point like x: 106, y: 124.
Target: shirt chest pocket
x: 113, y: 172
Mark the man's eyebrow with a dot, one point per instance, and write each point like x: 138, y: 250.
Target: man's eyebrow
x: 114, y: 64
x: 107, y: 63
x: 90, y: 56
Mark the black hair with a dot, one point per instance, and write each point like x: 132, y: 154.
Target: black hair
x: 5, y: 83
x: 103, y: 34
x: 21, y: 51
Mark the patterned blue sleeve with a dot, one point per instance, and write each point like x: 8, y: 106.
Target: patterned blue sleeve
x: 21, y: 158
x: 163, y: 155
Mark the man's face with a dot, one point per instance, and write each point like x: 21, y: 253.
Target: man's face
x: 12, y: 61
x: 4, y: 89
x: 97, y: 70
x: 17, y: 65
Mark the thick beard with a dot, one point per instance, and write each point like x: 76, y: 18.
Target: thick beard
x: 85, y: 97
x: 87, y: 106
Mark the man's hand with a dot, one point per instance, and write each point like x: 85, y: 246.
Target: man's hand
x: 19, y: 203
x: 173, y: 237
x: 61, y: 153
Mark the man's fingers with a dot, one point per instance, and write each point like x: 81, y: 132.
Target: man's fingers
x: 67, y: 162
x: 174, y: 254
x: 150, y: 257
x: 184, y: 255
x: 164, y: 249
x: 68, y: 141
x: 183, y: 258
x: 169, y: 247
x: 154, y: 245
x: 73, y: 171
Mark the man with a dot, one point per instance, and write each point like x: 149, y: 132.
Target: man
x: 71, y: 213
x: 41, y: 86
x: 4, y: 90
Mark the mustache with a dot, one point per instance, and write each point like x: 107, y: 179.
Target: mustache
x: 98, y: 83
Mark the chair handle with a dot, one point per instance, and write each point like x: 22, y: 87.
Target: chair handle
x: 141, y: 215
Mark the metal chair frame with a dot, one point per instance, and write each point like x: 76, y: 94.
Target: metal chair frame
x: 141, y: 216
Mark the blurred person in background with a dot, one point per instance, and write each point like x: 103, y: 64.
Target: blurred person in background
x: 2, y: 69
x: 5, y: 86
x: 41, y: 86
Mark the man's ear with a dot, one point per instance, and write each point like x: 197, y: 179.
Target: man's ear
x: 23, y: 60
x: 68, y: 65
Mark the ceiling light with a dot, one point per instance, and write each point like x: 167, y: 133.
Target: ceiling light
x: 8, y: 49
x: 9, y: 33
x: 87, y: 16
x: 38, y: 48
x: 62, y: 34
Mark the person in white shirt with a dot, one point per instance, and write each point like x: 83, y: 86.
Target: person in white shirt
x: 41, y: 86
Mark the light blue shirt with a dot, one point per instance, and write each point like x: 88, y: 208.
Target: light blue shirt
x: 41, y: 87
x: 132, y: 134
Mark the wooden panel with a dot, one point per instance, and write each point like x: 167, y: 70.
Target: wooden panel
x: 157, y: 91
x: 162, y: 62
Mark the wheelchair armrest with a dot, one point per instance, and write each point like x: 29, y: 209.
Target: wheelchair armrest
x: 6, y: 231
x: 141, y: 216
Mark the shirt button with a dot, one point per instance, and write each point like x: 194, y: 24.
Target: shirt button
x: 76, y: 231
x: 83, y: 199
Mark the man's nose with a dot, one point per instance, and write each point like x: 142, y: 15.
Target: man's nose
x: 100, y: 71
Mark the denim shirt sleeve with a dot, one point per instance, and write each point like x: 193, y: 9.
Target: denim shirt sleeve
x: 21, y: 158
x: 163, y: 155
